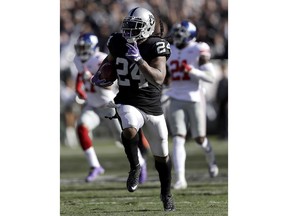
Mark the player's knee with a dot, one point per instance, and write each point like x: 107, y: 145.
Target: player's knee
x: 199, y: 140
x: 180, y: 135
x: 161, y: 159
x: 81, y: 127
x: 129, y: 133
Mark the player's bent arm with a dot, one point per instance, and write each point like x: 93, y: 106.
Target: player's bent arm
x: 95, y: 78
x: 109, y: 58
x: 78, y: 86
x: 206, y: 72
x: 156, y: 71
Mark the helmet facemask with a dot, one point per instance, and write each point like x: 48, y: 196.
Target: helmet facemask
x: 138, y: 26
x: 132, y: 29
x: 84, y: 51
x: 183, y: 33
x: 180, y: 36
x: 86, y: 46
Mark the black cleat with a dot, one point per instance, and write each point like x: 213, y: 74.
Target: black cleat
x: 133, y: 179
x: 168, y: 202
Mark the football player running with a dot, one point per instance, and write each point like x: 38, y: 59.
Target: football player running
x: 188, y: 66
x: 87, y: 61
x: 140, y: 61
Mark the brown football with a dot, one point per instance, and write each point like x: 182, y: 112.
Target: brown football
x: 108, y: 72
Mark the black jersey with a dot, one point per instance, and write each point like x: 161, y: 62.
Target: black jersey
x: 134, y: 89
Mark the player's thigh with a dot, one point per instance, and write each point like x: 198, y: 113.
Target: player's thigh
x: 177, y: 118
x: 89, y: 118
x: 130, y: 117
x: 197, y: 119
x: 105, y: 112
x: 114, y: 127
x: 156, y: 131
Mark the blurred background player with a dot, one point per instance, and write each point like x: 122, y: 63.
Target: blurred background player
x: 69, y: 110
x: 188, y: 65
x: 87, y: 61
x: 222, y: 102
x: 140, y: 61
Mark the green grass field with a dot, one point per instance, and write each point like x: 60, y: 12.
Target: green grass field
x: 108, y: 194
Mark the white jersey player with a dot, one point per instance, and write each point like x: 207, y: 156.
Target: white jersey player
x: 188, y: 66
x: 87, y: 61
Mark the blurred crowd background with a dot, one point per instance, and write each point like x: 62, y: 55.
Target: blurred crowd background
x: 104, y: 17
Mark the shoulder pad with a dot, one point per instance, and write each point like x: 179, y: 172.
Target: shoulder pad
x: 204, y: 49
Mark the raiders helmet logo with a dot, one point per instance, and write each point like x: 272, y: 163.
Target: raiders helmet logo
x: 151, y: 20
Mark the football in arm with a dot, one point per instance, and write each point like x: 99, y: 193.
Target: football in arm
x: 108, y: 72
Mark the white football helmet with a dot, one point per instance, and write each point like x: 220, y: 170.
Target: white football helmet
x: 183, y: 33
x: 86, y: 46
x: 138, y: 24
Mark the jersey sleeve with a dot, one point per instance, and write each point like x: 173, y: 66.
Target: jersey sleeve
x: 98, y: 61
x: 79, y: 79
x: 204, y: 49
x: 116, y: 45
x: 161, y: 47
x: 78, y: 64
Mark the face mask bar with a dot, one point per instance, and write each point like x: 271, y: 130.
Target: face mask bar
x: 84, y: 51
x: 82, y: 48
x: 180, y: 34
x: 132, y: 28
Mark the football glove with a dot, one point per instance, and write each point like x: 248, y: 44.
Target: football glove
x: 95, y: 80
x: 187, y: 68
x: 133, y: 52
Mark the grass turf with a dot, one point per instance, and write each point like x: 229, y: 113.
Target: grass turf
x: 108, y: 194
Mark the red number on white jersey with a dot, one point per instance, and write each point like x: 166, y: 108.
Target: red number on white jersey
x: 177, y: 70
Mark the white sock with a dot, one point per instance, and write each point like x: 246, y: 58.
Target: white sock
x: 71, y: 137
x: 205, y: 144
x: 91, y: 157
x: 179, y: 157
x: 210, y: 157
x: 140, y: 158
